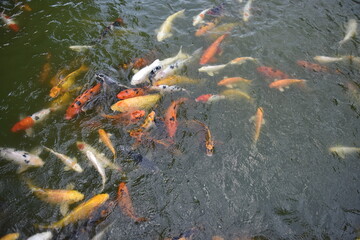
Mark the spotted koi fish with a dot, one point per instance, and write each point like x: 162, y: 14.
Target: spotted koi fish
x: 131, y: 92
x: 80, y: 101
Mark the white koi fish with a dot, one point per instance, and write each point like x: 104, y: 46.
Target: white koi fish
x: 351, y: 30
x: 23, y: 158
x: 246, y: 11
x: 325, y: 59
x: 211, y: 70
x: 41, y: 236
x: 80, y: 48
x: 168, y: 89
x: 341, y: 151
x: 143, y: 75
x: 70, y: 163
x: 200, y: 17
x: 180, y: 55
x: 165, y: 29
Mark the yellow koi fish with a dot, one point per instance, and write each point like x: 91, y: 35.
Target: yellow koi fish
x: 176, y: 80
x: 259, y: 121
x: 83, y: 211
x: 10, y: 236
x: 104, y: 137
x: 236, y: 94
x: 165, y: 29
x: 136, y: 103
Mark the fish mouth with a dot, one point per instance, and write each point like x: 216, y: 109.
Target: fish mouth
x: 80, y: 145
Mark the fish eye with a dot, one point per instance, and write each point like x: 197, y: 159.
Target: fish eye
x: 172, y: 66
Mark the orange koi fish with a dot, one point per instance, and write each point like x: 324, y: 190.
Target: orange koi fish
x: 272, y: 73
x: 127, y: 117
x: 285, y: 83
x: 148, y: 123
x: 125, y: 203
x: 131, y: 92
x: 234, y: 81
x: 259, y: 121
x: 80, y: 101
x: 10, y: 236
x: 207, y: 98
x: 104, y: 137
x: 213, y: 49
x: 209, y: 142
x: 30, y: 121
x: 170, y: 116
x: 46, y: 69
x: 315, y: 67
x: 206, y: 27
x: 9, y: 22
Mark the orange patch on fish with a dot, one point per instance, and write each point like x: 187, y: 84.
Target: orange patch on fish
x: 130, y: 93
x: 171, y: 116
x: 23, y: 124
x: 212, y: 50
x: 315, y: 67
x: 206, y: 27
x: 281, y: 84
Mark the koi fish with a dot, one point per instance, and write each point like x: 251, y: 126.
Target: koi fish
x: 168, y: 89
x: 171, y: 116
x: 61, y: 102
x: 82, y: 211
x: 28, y: 122
x: 200, y: 17
x: 236, y: 94
x: 148, y: 123
x: 80, y: 48
x: 222, y: 29
x: 46, y: 69
x: 63, y: 197
x: 208, y: 98
x: 216, y: 10
x: 176, y: 80
x: 241, y: 60
x: 67, y: 81
x: 259, y: 121
x: 341, y: 151
x: 41, y: 236
x: 22, y: 158
x: 179, y: 56
x: 211, y: 70
x: 26, y: 7
x: 136, y: 103
x: 351, y: 30
x: 207, y: 27
x: 71, y: 163
x: 209, y: 143
x: 125, y: 203
x: 58, y: 76
x: 165, y: 29
x: 117, y: 23
x: 315, y: 67
x: 104, y: 137
x: 127, y: 117
x: 9, y: 22
x: 246, y: 11
x: 272, y: 73
x: 285, y: 83
x: 143, y: 75
x: 233, y: 82
x: 80, y: 101
x: 213, y: 49
x: 325, y: 59
x: 105, y: 162
x: 131, y: 92
x: 10, y: 236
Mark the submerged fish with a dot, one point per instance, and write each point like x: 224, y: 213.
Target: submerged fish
x: 246, y: 11
x: 125, y: 203
x: 82, y: 211
x: 41, y: 236
x: 315, y: 67
x: 270, y: 72
x: 325, y: 59
x: 80, y: 48
x: 211, y: 70
x: 258, y: 121
x: 209, y: 142
x: 104, y: 137
x: 171, y: 116
x: 176, y: 80
x: 136, y: 103
x: 148, y: 123
x: 46, y: 69
x: 285, y: 83
x: 236, y: 94
x: 10, y: 236
x: 165, y: 29
x: 233, y: 82
x: 117, y: 23
x: 341, y: 151
x: 212, y: 50
x: 69, y: 162
x: 200, y: 17
x: 168, y: 89
x: 208, y: 98
x: 28, y: 122
x: 351, y: 30
x: 9, y: 22
x: 207, y: 27
x: 22, y: 158
x: 63, y: 197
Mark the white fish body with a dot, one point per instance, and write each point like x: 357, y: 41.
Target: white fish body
x: 246, y: 11
x: 168, y: 89
x: 80, y: 48
x: 22, y: 158
x: 165, y: 29
x: 143, y: 74
x: 179, y: 55
x: 69, y: 162
x: 325, y: 59
x: 351, y: 31
x: 341, y: 151
x: 211, y: 70
x: 7, y: 20
x: 200, y: 17
x: 41, y: 236
x: 98, y: 166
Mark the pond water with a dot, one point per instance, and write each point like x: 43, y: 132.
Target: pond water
x: 287, y: 186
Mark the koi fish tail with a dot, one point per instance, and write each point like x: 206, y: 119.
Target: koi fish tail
x: 140, y: 219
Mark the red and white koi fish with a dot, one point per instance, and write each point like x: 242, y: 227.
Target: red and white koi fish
x: 9, y: 22
x: 200, y: 17
x: 80, y: 101
x: 28, y: 122
x: 246, y: 11
x: 208, y: 98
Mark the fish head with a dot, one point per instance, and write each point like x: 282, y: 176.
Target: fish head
x: 77, y: 196
x: 55, y: 91
x: 80, y: 145
x: 78, y: 168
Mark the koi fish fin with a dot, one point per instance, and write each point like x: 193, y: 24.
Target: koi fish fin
x: 340, y: 154
x: 281, y: 89
x: 29, y: 132
x: 37, y: 150
x: 252, y: 118
x: 263, y: 121
x: 67, y: 168
x: 22, y: 168
x: 210, y: 73
x: 140, y: 219
x: 64, y: 208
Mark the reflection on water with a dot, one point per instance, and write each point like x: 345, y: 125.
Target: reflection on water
x: 288, y: 185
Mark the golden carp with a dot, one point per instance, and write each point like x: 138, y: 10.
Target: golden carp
x: 176, y: 80
x: 10, y: 236
x: 104, y: 137
x: 136, y: 103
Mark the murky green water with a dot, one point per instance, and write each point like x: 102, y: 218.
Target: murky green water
x: 287, y: 187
